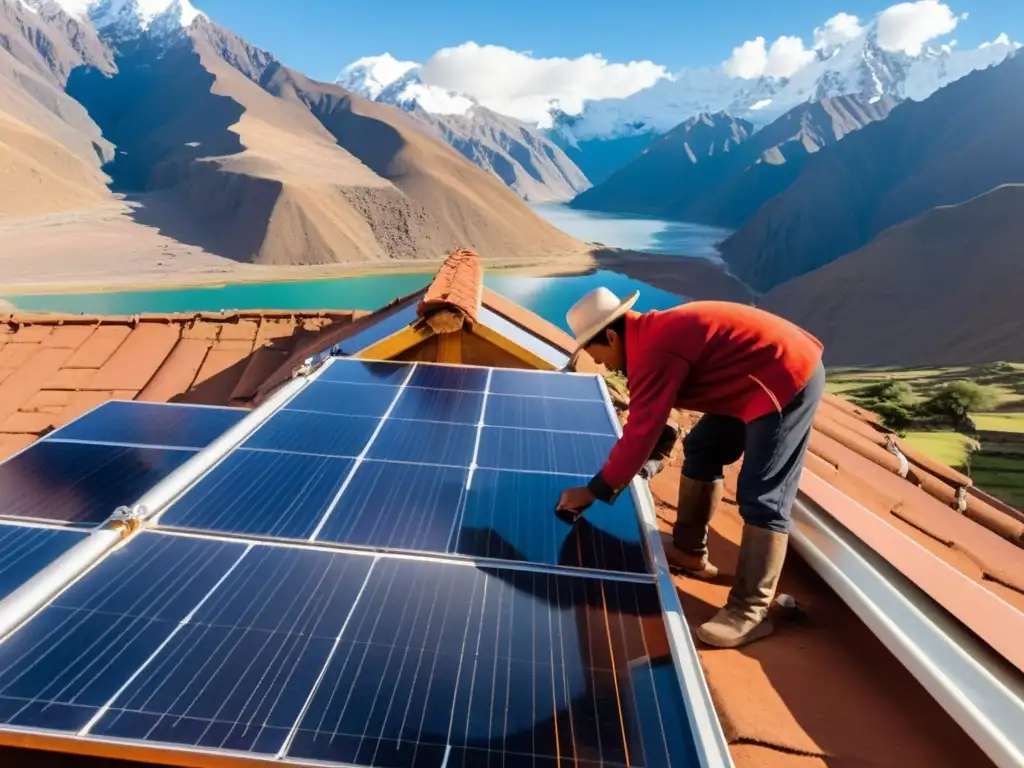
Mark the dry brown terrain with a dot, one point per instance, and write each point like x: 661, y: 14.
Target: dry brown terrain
x: 942, y: 289
x: 230, y: 157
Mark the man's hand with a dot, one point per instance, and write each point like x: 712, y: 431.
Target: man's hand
x: 575, y: 500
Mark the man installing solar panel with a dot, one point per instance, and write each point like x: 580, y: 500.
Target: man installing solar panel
x: 758, y: 379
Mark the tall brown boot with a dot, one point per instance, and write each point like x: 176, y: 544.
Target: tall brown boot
x: 687, y: 548
x: 744, y: 617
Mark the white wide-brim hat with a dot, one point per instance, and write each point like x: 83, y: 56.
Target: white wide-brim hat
x: 594, y: 312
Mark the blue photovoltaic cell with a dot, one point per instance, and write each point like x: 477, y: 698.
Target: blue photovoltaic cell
x: 449, y: 377
x: 379, y: 329
x: 557, y: 415
x: 523, y: 337
x: 81, y: 482
x: 439, y: 405
x: 361, y: 372
x: 238, y: 673
x: 58, y: 670
x: 561, y: 452
x: 398, y: 506
x: 424, y: 441
x: 344, y: 399
x: 25, y: 551
x: 262, y: 494
x: 322, y: 433
x: 562, y: 385
x: 500, y: 667
x: 160, y: 424
x: 510, y: 515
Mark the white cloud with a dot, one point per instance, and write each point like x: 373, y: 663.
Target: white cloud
x: 840, y: 29
x: 908, y: 26
x: 786, y: 57
x: 522, y: 86
x: 747, y: 60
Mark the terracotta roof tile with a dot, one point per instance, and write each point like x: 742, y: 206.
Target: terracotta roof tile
x: 18, y: 388
x: 47, y: 398
x: 30, y: 334
x: 54, y: 367
x: 135, y: 361
x: 178, y: 371
x: 457, y: 285
x: 98, y: 348
x: 15, y: 355
x: 69, y: 336
x: 71, y: 378
x: 33, y: 422
x: 240, y: 330
x: 12, y: 443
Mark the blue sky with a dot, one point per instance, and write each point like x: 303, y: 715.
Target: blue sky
x: 321, y: 36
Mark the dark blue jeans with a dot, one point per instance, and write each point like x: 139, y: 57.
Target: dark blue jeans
x: 773, y: 449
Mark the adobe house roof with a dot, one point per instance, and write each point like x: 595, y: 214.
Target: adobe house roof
x: 821, y: 691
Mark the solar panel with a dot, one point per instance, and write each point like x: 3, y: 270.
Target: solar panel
x: 311, y: 432
x: 343, y: 399
x: 490, y: 647
x: 548, y: 414
x: 26, y: 550
x: 299, y: 653
x: 508, y: 516
x: 155, y: 424
x: 537, y: 384
x: 413, y: 508
x: 524, y: 449
x: 81, y: 483
x: 262, y: 493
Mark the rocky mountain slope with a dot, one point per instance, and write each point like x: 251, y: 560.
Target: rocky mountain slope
x: 715, y: 169
x: 858, y: 67
x: 957, y: 144
x: 521, y: 156
x: 941, y: 289
x: 667, y: 168
x: 253, y: 161
x: 51, y: 151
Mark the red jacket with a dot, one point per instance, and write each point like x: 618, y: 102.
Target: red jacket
x: 709, y: 356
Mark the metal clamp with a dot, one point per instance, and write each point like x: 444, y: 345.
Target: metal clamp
x: 128, y: 519
x: 894, y: 449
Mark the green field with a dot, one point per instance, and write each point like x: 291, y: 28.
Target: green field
x: 951, y: 448
x: 1000, y: 422
x: 998, y: 473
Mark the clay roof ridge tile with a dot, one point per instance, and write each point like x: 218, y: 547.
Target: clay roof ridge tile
x: 457, y: 285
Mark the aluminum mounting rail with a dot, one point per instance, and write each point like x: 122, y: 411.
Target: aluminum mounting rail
x: 970, y: 681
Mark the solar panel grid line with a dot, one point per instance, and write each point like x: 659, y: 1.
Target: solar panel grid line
x: 444, y: 558
x: 359, y: 459
x: 290, y: 738
x: 712, y: 747
x: 185, y: 621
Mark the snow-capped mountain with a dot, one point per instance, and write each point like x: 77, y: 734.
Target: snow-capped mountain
x: 522, y: 156
x: 385, y: 79
x: 859, y: 67
x: 125, y: 19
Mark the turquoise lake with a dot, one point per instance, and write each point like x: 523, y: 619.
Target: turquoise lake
x: 550, y: 297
